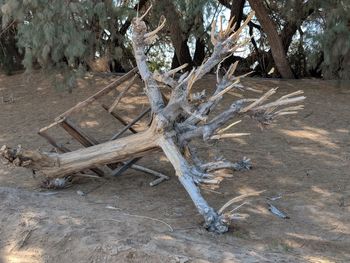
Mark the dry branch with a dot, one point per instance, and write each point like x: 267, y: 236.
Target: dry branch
x: 98, y: 95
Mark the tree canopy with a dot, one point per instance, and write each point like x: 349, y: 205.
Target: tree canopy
x: 295, y: 38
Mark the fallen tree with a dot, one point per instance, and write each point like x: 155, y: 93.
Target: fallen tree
x: 176, y: 122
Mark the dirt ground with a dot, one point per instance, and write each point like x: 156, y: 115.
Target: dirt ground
x: 305, y: 159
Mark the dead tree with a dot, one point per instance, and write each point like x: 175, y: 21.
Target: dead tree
x: 175, y: 122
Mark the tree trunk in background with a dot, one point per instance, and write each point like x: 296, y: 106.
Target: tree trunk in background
x: 118, y: 40
x: 181, y: 55
x: 289, y: 30
x: 174, y: 62
x: 237, y: 12
x: 277, y: 49
x: 178, y: 39
x: 291, y: 27
x: 124, y: 28
x: 199, y: 53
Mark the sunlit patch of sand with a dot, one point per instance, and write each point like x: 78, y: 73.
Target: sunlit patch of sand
x: 27, y: 255
x: 313, y: 134
x: 314, y: 259
x: 315, y: 152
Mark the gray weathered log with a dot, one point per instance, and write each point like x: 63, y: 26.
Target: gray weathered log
x: 58, y: 165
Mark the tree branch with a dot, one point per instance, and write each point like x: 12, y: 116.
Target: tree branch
x: 186, y: 174
x: 151, y: 88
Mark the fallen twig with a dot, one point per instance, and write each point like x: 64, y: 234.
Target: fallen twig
x: 23, y: 241
x: 237, y: 199
x: 144, y: 217
x: 274, y: 210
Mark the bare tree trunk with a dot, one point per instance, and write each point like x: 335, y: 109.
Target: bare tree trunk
x: 301, y: 12
x: 181, y: 48
x: 58, y: 165
x: 237, y: 12
x: 270, y: 28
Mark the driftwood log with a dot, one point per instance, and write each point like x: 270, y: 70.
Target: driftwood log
x: 175, y: 123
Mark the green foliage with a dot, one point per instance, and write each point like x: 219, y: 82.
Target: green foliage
x: 66, y: 34
x: 71, y: 35
x: 335, y: 40
x: 326, y: 35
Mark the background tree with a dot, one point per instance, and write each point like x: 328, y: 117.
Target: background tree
x: 10, y: 57
x: 298, y: 38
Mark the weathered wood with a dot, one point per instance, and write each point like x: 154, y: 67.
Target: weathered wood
x: 172, y: 127
x: 50, y: 126
x: 120, y: 119
x: 187, y: 177
x: 99, y: 94
x: 52, y: 141
x: 139, y: 41
x: 121, y: 95
x: 131, y: 163
x: 77, y: 133
x: 125, y: 167
x: 161, y: 177
x: 59, y: 165
x: 83, y: 138
x: 127, y: 127
x: 63, y: 149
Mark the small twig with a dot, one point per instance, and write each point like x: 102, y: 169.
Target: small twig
x: 228, y: 127
x: 238, y: 207
x: 237, y: 199
x: 212, y: 191
x: 144, y: 217
x: 228, y: 135
x: 25, y: 238
x: 48, y: 193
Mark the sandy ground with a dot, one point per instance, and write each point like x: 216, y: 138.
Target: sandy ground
x: 304, y: 158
